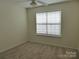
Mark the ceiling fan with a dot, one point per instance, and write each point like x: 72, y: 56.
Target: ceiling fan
x: 32, y: 3
x: 35, y: 2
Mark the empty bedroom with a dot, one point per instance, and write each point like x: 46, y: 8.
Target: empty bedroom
x: 39, y: 29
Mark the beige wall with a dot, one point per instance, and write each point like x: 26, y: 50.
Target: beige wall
x: 13, y: 25
x: 70, y: 17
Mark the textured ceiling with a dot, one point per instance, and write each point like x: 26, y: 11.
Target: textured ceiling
x: 26, y: 3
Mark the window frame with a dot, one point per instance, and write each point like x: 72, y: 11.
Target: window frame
x: 46, y: 34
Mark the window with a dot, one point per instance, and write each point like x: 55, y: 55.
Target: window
x: 48, y: 23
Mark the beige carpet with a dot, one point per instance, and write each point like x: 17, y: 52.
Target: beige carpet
x: 32, y: 50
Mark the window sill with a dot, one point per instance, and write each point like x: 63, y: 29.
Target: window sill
x: 49, y: 35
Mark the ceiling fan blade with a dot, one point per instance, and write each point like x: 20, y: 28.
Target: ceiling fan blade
x: 41, y: 2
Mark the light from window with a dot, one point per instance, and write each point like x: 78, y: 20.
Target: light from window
x: 48, y: 23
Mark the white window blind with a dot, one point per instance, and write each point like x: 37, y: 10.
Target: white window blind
x: 48, y: 23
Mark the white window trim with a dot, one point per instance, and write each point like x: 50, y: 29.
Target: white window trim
x: 50, y: 35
